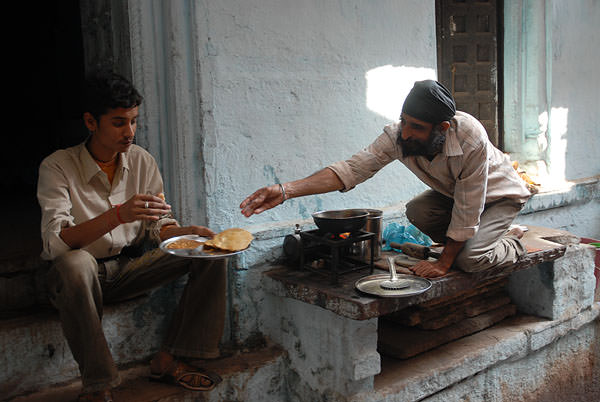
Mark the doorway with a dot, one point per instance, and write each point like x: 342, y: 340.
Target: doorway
x: 46, y: 74
x: 469, y: 58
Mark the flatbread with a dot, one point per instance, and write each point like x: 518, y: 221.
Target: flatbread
x: 234, y: 239
x: 184, y: 244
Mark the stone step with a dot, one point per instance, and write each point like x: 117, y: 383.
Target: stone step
x: 34, y: 353
x: 251, y: 376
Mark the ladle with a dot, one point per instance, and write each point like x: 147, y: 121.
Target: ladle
x: 393, y: 283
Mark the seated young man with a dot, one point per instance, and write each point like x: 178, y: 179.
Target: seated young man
x: 101, y: 203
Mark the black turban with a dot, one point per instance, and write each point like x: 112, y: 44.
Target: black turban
x: 429, y: 101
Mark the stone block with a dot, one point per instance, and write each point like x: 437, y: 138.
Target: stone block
x: 330, y: 354
x: 559, y: 289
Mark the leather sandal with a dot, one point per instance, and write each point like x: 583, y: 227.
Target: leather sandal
x: 188, y: 376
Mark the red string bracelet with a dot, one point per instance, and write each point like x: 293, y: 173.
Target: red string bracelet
x: 119, y: 216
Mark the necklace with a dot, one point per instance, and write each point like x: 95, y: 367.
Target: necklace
x: 110, y: 161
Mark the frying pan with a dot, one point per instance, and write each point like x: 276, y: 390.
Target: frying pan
x: 341, y: 220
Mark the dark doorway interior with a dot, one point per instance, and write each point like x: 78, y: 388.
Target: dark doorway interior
x: 46, y: 70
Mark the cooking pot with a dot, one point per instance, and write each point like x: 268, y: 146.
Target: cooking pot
x: 341, y: 220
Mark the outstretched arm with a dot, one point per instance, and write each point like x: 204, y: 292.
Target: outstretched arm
x: 323, y: 181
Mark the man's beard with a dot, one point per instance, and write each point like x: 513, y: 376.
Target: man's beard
x: 429, y: 148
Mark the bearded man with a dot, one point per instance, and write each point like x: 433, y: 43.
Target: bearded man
x: 474, y: 194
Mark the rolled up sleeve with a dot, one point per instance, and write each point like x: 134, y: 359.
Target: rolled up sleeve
x: 469, y: 196
x: 364, y: 164
x: 53, y: 196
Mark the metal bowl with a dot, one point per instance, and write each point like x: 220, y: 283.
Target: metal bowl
x: 341, y: 221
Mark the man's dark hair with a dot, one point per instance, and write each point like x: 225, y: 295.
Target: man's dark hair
x: 109, y: 90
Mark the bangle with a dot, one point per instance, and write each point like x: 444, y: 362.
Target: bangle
x: 282, y: 192
x: 121, y: 221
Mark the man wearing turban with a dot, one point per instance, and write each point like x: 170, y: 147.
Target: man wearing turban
x: 474, y: 194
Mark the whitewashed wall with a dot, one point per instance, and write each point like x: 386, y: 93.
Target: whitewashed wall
x: 259, y: 91
x: 242, y: 94
x: 551, y: 92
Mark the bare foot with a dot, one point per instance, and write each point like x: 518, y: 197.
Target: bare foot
x: 516, y: 231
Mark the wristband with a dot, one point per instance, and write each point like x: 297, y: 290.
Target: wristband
x: 121, y: 221
x: 282, y: 192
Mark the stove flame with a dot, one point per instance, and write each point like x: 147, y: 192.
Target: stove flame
x: 344, y: 235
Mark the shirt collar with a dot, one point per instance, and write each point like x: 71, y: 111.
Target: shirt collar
x: 452, y: 145
x: 91, y: 168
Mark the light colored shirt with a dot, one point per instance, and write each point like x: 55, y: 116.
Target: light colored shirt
x: 72, y: 189
x: 469, y: 170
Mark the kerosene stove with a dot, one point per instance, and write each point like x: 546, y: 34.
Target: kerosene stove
x: 327, y: 254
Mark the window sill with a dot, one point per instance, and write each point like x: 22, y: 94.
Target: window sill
x: 564, y: 194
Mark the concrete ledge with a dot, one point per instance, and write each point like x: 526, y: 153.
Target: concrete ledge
x: 34, y: 353
x: 568, y: 193
x: 253, y: 376
x: 439, y: 369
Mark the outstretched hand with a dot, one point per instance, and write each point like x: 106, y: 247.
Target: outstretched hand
x: 143, y: 207
x: 261, y: 200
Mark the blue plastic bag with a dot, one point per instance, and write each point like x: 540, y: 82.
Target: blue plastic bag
x: 403, y: 234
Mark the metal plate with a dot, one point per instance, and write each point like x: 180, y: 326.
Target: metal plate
x: 371, y: 285
x: 197, y: 252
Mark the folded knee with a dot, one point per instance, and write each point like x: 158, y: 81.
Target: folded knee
x: 413, y: 212
x: 76, y: 267
x: 469, y: 261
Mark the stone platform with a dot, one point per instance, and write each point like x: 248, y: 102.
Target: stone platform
x: 543, y: 245
x: 331, y: 332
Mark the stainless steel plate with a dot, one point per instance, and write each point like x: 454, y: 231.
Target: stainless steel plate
x: 371, y: 285
x: 198, y: 252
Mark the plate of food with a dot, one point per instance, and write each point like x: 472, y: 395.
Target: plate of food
x: 225, y: 244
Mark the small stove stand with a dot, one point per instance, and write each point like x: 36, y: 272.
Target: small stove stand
x: 335, y: 251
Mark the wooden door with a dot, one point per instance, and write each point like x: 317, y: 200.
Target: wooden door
x: 469, y: 60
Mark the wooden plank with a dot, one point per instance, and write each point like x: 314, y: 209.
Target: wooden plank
x: 448, y: 314
x: 404, y: 342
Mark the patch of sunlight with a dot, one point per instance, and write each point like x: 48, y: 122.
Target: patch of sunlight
x: 549, y: 174
x: 558, y: 143
x: 387, y: 87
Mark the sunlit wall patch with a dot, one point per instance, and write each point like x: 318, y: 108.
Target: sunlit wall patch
x: 388, y: 86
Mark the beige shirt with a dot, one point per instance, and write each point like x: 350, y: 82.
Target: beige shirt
x: 470, y: 170
x: 72, y: 189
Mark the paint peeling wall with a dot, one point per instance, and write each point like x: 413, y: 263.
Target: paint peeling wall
x: 575, y: 117
x: 240, y: 95
x: 551, y: 85
x: 287, y: 83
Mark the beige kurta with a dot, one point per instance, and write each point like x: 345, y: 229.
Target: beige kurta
x: 72, y: 189
x: 470, y: 170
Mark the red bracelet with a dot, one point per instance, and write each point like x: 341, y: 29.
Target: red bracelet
x: 119, y: 216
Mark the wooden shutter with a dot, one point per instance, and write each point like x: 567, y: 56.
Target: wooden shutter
x: 468, y: 58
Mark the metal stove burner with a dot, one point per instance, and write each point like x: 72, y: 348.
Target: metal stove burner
x: 328, y: 254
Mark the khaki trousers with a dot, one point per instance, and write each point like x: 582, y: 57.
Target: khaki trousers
x: 79, y: 285
x: 431, y: 212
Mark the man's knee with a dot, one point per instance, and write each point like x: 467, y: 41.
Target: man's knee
x: 74, y: 268
x: 473, y: 260
x: 414, y: 213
